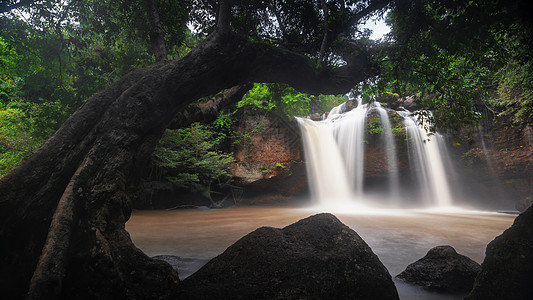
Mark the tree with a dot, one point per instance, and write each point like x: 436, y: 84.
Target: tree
x: 63, y: 210
x: 186, y: 160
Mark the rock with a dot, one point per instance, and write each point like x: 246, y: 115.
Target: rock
x: 315, y: 117
x: 317, y: 257
x: 442, y: 270
x: 408, y: 102
x: 390, y: 99
x: 185, y: 265
x: 348, y: 105
x: 288, y: 187
x: 507, y: 271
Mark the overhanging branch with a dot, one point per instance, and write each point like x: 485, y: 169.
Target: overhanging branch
x: 274, y: 64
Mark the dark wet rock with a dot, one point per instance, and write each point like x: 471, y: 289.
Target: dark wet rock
x: 315, y: 117
x: 184, y: 266
x: 317, y: 257
x: 348, y: 105
x: 507, y: 271
x: 442, y: 270
x: 395, y: 102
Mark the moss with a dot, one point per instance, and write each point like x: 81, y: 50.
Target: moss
x: 373, y: 124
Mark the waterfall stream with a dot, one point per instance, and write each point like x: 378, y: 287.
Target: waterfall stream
x: 335, y: 154
x: 390, y: 147
x: 429, y: 162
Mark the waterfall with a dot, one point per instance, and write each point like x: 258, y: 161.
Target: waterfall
x: 325, y: 169
x: 390, y: 147
x: 349, y: 132
x: 335, y: 151
x: 425, y: 156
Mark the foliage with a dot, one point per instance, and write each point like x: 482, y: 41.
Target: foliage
x: 373, y: 124
x: 285, y: 100
x: 223, y: 126
x: 515, y: 92
x: 327, y: 102
x: 54, y: 56
x: 450, y: 51
x: 275, y: 97
x: 24, y: 125
x: 186, y: 158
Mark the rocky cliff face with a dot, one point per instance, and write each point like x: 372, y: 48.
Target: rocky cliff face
x: 269, y: 159
x: 497, y: 162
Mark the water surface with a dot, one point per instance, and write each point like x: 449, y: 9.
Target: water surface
x: 398, y: 237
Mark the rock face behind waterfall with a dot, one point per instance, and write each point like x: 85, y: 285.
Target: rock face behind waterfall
x: 507, y: 271
x: 318, y: 258
x: 442, y: 270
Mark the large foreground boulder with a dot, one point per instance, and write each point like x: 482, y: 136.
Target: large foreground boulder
x: 315, y: 258
x: 442, y: 270
x: 507, y: 271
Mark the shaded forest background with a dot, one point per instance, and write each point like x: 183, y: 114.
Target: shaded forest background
x: 56, y: 54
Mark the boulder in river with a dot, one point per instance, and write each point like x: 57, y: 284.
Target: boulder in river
x: 507, y: 271
x: 443, y: 270
x: 317, y: 257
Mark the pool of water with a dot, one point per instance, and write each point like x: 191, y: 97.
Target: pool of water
x: 398, y: 237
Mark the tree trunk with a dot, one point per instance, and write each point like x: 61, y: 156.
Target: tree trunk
x: 63, y: 211
x: 157, y: 37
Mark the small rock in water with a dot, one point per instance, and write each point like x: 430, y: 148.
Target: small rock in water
x: 442, y: 270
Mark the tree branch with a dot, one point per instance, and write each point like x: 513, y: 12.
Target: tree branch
x: 223, y: 17
x: 207, y: 112
x: 273, y: 64
x: 372, y: 7
x: 326, y: 30
x: 278, y: 17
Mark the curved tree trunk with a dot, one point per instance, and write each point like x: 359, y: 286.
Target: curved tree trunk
x: 63, y: 211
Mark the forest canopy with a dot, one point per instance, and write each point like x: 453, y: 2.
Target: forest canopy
x: 461, y: 56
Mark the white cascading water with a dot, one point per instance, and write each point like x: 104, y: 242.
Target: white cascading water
x: 349, y: 132
x: 325, y: 168
x: 390, y: 147
x: 428, y: 162
x: 334, y: 150
x: 335, y: 169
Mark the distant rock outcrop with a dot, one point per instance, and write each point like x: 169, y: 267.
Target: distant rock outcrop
x: 317, y: 257
x: 442, y: 270
x: 507, y: 271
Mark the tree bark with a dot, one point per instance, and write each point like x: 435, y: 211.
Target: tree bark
x: 157, y: 37
x: 63, y: 211
x: 207, y: 112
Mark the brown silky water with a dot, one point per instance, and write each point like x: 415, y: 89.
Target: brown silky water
x: 398, y: 236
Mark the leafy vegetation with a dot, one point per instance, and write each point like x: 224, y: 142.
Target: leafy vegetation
x: 459, y: 55
x: 186, y: 159
x: 515, y: 92
x: 373, y: 124
x: 284, y: 99
x: 55, y: 56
